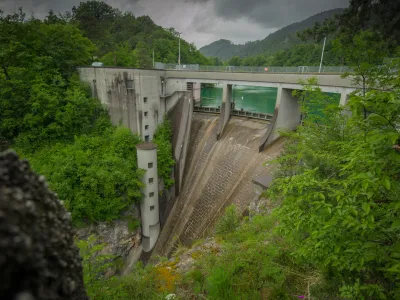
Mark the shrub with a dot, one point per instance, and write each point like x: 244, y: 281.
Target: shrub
x: 228, y: 222
x: 165, y: 162
x: 96, y: 176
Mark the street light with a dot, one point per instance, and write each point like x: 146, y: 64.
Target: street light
x: 322, y: 56
x: 179, y: 57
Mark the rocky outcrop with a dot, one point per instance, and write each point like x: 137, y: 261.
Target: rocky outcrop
x: 38, y: 257
x: 184, y: 260
x: 121, y: 242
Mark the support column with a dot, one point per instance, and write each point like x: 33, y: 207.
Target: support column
x: 197, y: 93
x: 225, y: 109
x: 287, y: 116
x: 344, y: 98
x: 149, y: 206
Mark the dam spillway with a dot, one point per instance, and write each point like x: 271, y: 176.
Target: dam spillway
x: 216, y: 175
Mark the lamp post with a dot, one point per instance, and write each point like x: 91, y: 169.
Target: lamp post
x: 322, y: 55
x: 179, y: 57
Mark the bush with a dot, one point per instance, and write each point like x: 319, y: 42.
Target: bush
x: 252, y: 264
x: 133, y: 224
x: 228, y: 222
x: 165, y: 162
x: 140, y: 284
x: 340, y: 209
x: 96, y: 176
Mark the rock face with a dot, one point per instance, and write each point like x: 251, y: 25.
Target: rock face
x: 186, y: 260
x: 120, y: 241
x: 38, y: 257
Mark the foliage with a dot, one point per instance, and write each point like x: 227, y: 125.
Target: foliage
x: 118, y: 34
x: 365, y: 52
x: 140, y: 284
x: 96, y: 176
x: 133, y: 224
x: 38, y: 96
x: 94, y: 19
x: 340, y: 207
x: 252, y: 264
x: 50, y: 117
x: 163, y: 139
x: 123, y: 56
x: 380, y: 16
x: 95, y: 265
x: 228, y: 222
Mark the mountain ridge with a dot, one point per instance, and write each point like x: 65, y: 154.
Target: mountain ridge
x: 281, y: 39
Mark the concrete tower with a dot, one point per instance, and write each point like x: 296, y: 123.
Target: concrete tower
x: 147, y: 160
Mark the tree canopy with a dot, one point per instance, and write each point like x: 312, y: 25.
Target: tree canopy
x: 125, y: 40
x: 49, y: 116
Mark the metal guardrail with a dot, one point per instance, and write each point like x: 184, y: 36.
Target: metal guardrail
x: 253, y: 115
x: 248, y: 69
x: 208, y: 109
x: 234, y: 112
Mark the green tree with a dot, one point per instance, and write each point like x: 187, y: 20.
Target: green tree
x: 36, y: 60
x: 364, y: 53
x: 234, y: 61
x: 379, y: 16
x: 140, y: 284
x: 340, y: 203
x: 95, y: 18
x: 96, y: 176
x: 165, y: 162
x: 143, y: 56
x: 123, y: 57
x: 95, y: 265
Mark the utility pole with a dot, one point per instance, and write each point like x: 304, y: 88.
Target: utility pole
x: 322, y: 55
x: 153, y: 58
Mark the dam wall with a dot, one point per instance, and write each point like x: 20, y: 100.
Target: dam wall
x: 217, y: 174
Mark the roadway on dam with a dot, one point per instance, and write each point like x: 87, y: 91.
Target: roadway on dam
x: 217, y: 174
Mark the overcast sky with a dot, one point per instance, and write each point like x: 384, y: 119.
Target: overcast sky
x: 202, y: 21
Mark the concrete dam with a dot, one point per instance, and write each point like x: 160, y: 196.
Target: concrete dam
x: 217, y: 156
x: 217, y: 174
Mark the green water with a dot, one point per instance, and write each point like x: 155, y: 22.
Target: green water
x: 250, y: 98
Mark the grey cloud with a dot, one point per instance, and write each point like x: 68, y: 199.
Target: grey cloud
x: 202, y: 21
x: 271, y: 13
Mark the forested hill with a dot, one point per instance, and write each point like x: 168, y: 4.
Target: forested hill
x: 122, y: 39
x: 279, y: 40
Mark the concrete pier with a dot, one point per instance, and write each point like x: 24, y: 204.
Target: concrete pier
x: 287, y: 116
x: 225, y: 109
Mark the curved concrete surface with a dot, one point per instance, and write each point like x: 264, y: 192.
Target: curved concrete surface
x: 217, y: 175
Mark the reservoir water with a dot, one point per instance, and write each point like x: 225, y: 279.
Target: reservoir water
x: 253, y: 98
x: 248, y: 98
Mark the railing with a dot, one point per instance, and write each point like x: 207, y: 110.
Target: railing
x: 234, y: 112
x: 253, y: 115
x: 301, y: 69
x: 208, y: 109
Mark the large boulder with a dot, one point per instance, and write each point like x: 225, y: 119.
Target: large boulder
x: 38, y: 257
